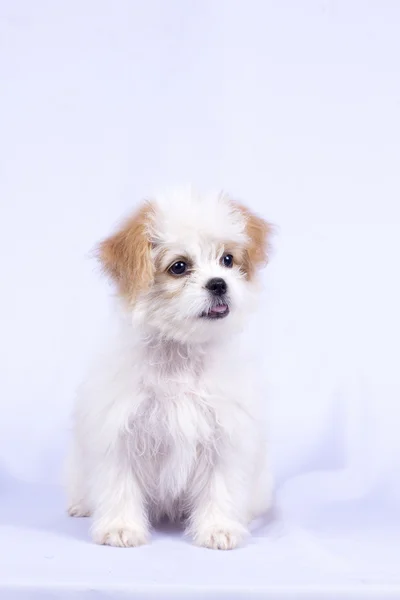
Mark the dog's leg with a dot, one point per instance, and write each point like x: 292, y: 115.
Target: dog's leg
x: 218, y: 518
x: 119, y: 517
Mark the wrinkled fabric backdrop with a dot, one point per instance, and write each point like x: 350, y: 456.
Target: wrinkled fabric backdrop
x: 293, y: 107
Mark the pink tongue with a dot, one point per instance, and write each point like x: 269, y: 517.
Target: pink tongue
x: 219, y: 309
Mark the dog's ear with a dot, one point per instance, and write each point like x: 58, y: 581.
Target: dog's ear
x: 126, y: 255
x: 258, y: 233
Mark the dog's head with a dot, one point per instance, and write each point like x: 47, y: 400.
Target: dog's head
x: 186, y: 265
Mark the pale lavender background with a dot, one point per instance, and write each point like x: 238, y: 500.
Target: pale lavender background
x: 291, y: 106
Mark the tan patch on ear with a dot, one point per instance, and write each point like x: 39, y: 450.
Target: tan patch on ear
x: 126, y: 255
x: 258, y: 232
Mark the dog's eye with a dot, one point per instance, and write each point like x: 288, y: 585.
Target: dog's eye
x: 178, y: 268
x: 227, y: 260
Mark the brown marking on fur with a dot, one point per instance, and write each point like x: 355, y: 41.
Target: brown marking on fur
x: 126, y: 255
x: 167, y: 284
x: 258, y: 232
x: 162, y: 264
x: 238, y: 252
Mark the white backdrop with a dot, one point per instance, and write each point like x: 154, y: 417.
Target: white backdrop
x: 293, y: 107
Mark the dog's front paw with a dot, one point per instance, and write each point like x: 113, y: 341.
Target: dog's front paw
x: 220, y: 536
x: 121, y: 536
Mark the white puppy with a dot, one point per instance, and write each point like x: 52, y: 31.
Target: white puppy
x: 169, y: 422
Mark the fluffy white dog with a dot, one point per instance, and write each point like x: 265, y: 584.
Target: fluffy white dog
x: 169, y: 421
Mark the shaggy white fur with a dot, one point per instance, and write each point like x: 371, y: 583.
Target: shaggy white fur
x: 169, y: 422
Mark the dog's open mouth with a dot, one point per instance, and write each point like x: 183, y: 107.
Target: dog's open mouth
x: 219, y: 311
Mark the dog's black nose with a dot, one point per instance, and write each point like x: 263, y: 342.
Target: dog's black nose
x: 217, y: 286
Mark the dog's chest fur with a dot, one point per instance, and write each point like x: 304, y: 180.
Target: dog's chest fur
x: 174, y: 429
